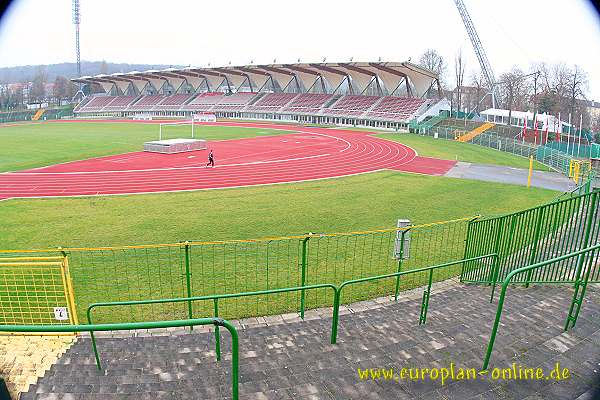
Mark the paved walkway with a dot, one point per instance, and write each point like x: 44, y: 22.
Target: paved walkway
x: 515, y: 176
x: 294, y: 360
x: 23, y: 359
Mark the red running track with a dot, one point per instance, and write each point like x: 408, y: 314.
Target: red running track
x: 309, y: 154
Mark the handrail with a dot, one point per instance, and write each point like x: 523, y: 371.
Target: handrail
x: 425, y: 301
x: 215, y: 297
x: 507, y: 282
x: 146, y: 325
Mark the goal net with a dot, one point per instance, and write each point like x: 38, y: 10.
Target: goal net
x: 176, y: 130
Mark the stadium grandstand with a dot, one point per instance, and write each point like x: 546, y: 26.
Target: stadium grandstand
x: 378, y: 94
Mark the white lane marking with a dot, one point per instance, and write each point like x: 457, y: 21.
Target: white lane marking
x: 194, y: 190
x: 165, y: 169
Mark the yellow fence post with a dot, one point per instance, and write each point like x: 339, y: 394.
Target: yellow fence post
x: 70, y: 292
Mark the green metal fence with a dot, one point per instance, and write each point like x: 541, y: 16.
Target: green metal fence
x: 15, y: 116
x: 532, y: 236
x: 26, y: 115
x: 576, y: 150
x: 212, y: 268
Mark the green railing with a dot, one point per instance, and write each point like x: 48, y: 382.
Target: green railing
x: 426, y: 293
x: 144, y: 325
x: 190, y: 300
x: 578, y: 295
x: 421, y: 275
x: 534, y: 235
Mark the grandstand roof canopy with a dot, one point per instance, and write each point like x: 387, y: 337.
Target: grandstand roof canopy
x: 413, y: 79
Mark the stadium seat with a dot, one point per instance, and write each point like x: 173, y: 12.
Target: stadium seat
x: 351, y: 106
x: 147, y: 102
x: 120, y: 103
x: 307, y: 103
x: 204, y: 102
x: 396, y: 108
x: 98, y: 103
x: 173, y: 102
x: 234, y: 102
x: 272, y: 102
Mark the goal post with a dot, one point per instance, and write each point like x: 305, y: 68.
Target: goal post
x: 183, y: 128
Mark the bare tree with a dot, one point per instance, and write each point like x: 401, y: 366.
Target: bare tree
x: 432, y: 60
x: 578, y: 85
x: 513, y: 91
x: 61, y: 88
x: 479, y: 83
x: 560, y: 83
x: 459, y: 73
x: 38, y: 88
x: 563, y: 90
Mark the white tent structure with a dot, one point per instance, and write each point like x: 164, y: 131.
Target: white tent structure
x: 518, y: 118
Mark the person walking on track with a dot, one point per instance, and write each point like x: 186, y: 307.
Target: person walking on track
x: 211, y: 160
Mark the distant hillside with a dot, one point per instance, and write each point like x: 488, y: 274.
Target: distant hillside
x: 69, y: 70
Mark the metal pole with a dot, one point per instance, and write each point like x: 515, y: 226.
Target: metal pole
x: 336, y: 314
x: 488, y: 353
x: 496, y: 264
x: 401, y: 255
x: 217, y: 335
x: 303, y: 279
x: 569, y: 135
x: 188, y: 279
x: 580, y: 132
x: 425, y: 301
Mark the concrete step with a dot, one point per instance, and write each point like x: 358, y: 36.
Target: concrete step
x: 296, y: 360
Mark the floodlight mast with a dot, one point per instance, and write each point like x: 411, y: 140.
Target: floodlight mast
x: 76, y: 20
x: 486, y: 68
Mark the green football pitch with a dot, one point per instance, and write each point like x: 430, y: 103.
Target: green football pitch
x: 362, y: 202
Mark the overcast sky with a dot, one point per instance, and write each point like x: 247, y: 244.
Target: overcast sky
x: 513, y: 32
